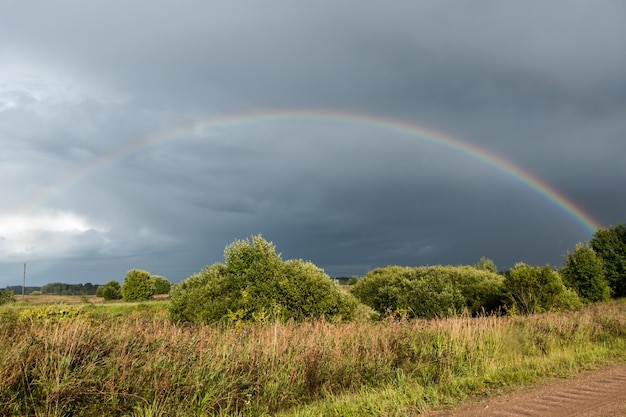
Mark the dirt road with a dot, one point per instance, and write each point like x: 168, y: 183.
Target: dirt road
x: 591, y: 394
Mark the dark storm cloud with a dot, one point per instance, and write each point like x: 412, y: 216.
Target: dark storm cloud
x: 539, y: 83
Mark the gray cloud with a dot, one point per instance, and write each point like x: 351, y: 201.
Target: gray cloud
x: 540, y: 84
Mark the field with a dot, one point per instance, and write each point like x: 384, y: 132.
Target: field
x: 101, y: 359
x: 46, y: 299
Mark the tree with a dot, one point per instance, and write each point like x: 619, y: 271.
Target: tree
x: 537, y: 289
x: 110, y: 291
x: 610, y: 246
x: 584, y: 272
x: 161, y: 284
x: 137, y: 286
x: 255, y: 284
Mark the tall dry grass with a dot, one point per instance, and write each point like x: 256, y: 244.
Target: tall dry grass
x: 92, y: 363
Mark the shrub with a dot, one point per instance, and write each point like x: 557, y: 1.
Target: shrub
x: 161, y: 284
x: 137, y: 286
x: 255, y: 284
x: 382, y: 288
x: 306, y: 291
x: 538, y: 289
x: 100, y: 291
x: 6, y: 295
x: 110, y: 291
x: 583, y: 271
x: 430, y: 291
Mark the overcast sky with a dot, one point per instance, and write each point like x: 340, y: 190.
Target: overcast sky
x: 540, y: 84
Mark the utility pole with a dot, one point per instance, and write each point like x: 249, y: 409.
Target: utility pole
x: 24, y: 281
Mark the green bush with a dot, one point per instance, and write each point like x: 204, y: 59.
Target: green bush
x: 584, y: 272
x: 6, y: 295
x: 137, y: 286
x: 435, y: 291
x: 538, y: 289
x: 255, y: 284
x: 161, y: 284
x: 110, y: 291
x: 383, y: 288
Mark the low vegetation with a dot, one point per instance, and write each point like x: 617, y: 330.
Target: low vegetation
x: 89, y: 361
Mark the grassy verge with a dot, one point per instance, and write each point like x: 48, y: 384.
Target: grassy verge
x: 94, y: 361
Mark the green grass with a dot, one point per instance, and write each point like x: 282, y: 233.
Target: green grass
x: 116, y: 360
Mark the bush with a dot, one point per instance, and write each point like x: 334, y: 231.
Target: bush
x: 436, y: 291
x: 6, y: 295
x: 255, y: 284
x: 583, y: 271
x: 110, y: 291
x: 382, y: 288
x: 161, y: 284
x: 137, y: 286
x: 538, y: 289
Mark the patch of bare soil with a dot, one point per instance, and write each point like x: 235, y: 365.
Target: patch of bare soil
x: 590, y: 394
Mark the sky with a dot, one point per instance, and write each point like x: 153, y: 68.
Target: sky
x: 354, y: 134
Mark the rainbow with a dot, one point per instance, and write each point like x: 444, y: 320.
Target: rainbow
x: 364, y: 120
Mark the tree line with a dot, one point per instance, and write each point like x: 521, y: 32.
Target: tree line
x: 255, y: 284
x: 60, y: 288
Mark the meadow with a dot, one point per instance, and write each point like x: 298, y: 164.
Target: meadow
x: 114, y: 359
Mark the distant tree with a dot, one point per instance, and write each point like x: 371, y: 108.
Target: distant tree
x: 583, y: 271
x: 486, y: 264
x: 352, y: 280
x: 137, y: 286
x: 17, y: 289
x: 161, y: 284
x: 610, y: 246
x: 60, y: 288
x: 52, y: 288
x: 110, y: 291
x: 538, y: 289
x: 89, y: 288
x: 6, y: 295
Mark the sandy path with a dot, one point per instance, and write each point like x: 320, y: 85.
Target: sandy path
x: 590, y: 394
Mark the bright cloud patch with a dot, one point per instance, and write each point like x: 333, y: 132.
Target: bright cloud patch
x: 48, y: 234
